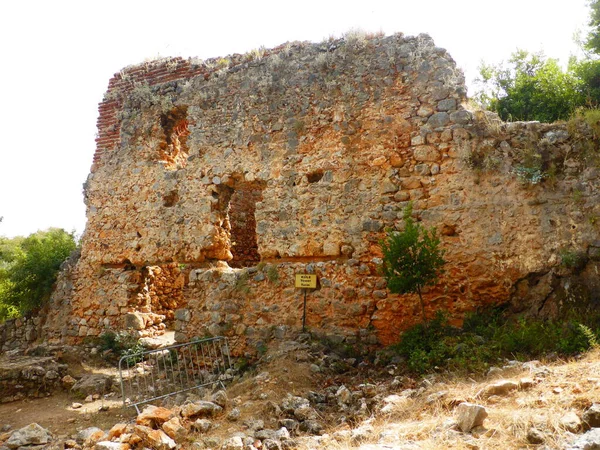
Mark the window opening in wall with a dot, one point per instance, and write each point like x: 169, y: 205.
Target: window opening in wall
x: 242, y: 220
x: 241, y: 210
x: 236, y: 206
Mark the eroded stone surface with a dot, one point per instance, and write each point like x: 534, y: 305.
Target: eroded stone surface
x: 301, y: 159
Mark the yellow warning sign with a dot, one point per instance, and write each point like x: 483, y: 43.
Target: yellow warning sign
x: 306, y: 281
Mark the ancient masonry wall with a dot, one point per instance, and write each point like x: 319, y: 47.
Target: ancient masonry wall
x: 215, y: 182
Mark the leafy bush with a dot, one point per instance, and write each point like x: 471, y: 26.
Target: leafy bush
x: 29, y: 267
x: 488, y: 337
x: 425, y: 346
x: 120, y: 344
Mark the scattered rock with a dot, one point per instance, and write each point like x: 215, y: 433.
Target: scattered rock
x: 591, y: 417
x: 343, y: 395
x: 571, y: 422
x: 265, y: 434
x: 392, y: 402
x: 290, y: 424
x: 117, y: 430
x: 311, y: 427
x: 501, y: 388
x: 361, y: 434
x: 282, y: 434
x: 220, y: 398
x: 87, y: 433
x: 587, y: 441
x: 109, y: 445
x: 153, y: 416
x: 291, y: 403
x: 526, y: 383
x: 174, y: 429
x: 76, y: 405
x: 234, y: 414
x: 271, y: 444
x: 200, y: 409
x: 470, y: 416
x: 72, y: 443
x: 305, y: 413
x: 234, y: 443
x: 255, y: 424
x: 156, y: 439
x: 32, y: 434
x: 201, y: 425
x: 316, y: 397
x: 535, y: 436
x: 68, y: 381
x: 436, y: 396
x: 92, y: 384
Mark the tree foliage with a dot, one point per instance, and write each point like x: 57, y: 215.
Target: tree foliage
x: 412, y: 258
x: 531, y: 87
x: 29, y: 267
x: 593, y: 39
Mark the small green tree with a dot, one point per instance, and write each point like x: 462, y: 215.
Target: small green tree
x: 29, y: 267
x: 412, y: 258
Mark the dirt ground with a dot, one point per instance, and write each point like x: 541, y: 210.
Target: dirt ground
x: 557, y: 388
x: 56, y: 414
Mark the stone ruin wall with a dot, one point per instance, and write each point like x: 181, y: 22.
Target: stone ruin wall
x: 214, y: 182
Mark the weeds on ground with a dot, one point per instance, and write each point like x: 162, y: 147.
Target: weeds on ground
x: 490, y: 336
x: 120, y: 344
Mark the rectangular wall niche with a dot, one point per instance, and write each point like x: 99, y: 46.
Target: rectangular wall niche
x: 242, y: 220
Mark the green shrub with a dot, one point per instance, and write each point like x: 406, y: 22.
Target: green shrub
x: 121, y: 344
x: 490, y: 336
x: 424, y: 346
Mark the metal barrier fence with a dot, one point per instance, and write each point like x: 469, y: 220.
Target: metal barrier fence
x: 157, y: 374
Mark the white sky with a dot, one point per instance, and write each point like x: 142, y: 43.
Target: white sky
x: 58, y: 55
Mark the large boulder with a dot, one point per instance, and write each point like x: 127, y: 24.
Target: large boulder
x: 154, y: 416
x: 470, y: 416
x: 587, y: 441
x: 591, y: 416
x: 32, y: 434
x: 200, y: 409
x: 96, y: 383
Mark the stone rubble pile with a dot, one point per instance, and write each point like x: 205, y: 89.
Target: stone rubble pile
x: 29, y: 376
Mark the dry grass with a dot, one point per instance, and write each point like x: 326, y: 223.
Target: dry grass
x: 564, y: 387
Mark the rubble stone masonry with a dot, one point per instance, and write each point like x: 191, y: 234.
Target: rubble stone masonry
x: 215, y: 182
